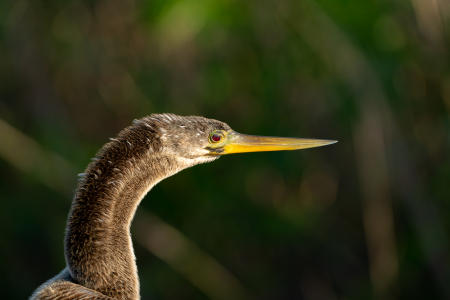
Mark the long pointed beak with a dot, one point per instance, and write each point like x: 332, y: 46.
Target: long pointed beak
x: 239, y: 143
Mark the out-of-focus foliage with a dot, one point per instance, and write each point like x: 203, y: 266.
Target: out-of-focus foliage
x: 367, y: 218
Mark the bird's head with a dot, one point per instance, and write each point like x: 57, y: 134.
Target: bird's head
x: 193, y: 140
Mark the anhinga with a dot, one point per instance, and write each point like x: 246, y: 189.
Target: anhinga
x: 98, y: 248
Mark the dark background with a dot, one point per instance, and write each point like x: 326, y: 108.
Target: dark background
x: 367, y: 218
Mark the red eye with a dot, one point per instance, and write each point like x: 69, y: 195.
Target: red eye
x: 215, y: 137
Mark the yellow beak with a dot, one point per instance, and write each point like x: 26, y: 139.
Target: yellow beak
x: 239, y: 143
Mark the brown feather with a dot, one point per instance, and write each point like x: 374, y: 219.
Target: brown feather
x: 98, y: 248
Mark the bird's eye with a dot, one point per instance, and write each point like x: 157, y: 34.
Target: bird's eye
x: 215, y: 137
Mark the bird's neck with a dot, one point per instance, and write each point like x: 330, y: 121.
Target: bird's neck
x: 99, y: 251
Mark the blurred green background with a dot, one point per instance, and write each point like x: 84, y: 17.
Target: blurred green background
x: 367, y: 218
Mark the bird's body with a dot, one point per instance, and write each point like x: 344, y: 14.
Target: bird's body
x: 98, y: 248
